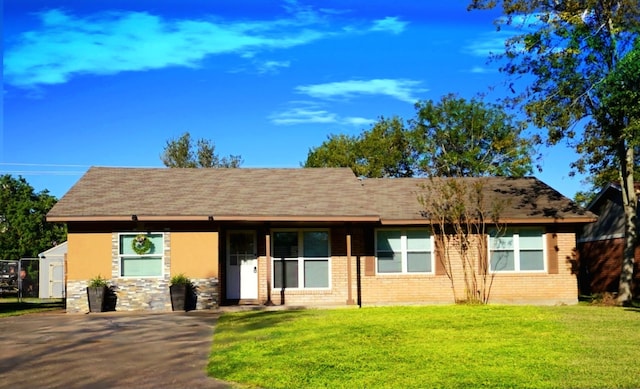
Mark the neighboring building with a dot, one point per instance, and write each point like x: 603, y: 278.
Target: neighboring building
x: 601, y: 244
x: 297, y: 237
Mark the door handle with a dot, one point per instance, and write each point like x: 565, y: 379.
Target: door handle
x: 255, y: 269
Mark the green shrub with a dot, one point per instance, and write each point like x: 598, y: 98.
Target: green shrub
x: 98, y: 282
x: 180, y: 279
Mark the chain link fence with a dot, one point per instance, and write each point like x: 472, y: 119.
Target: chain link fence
x: 20, y: 278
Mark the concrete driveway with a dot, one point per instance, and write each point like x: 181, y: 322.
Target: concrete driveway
x: 107, y: 350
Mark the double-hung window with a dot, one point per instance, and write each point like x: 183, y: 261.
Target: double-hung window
x: 404, y: 251
x: 147, y: 261
x: 301, y: 259
x: 517, y: 250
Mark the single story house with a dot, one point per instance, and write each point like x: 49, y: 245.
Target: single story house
x: 298, y: 237
x: 601, y: 244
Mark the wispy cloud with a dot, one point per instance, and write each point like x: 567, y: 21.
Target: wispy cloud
x: 401, y: 89
x: 486, y: 45
x: 66, y: 45
x: 271, y: 67
x: 312, y: 113
x: 303, y: 115
x: 389, y: 24
x: 481, y: 70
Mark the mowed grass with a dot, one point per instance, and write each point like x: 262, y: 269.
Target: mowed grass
x: 10, y: 306
x: 430, y: 347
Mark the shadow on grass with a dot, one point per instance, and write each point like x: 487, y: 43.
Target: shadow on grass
x: 13, y: 307
x: 256, y: 320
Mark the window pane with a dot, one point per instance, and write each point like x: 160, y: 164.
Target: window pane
x: 285, y: 244
x: 316, y: 244
x: 418, y: 262
x: 126, y: 244
x: 141, y: 266
x: 241, y: 243
x: 531, y: 239
x: 389, y: 262
x: 502, y: 261
x: 389, y: 241
x: 502, y: 242
x: 316, y: 274
x: 418, y: 240
x: 290, y: 274
x: 531, y: 260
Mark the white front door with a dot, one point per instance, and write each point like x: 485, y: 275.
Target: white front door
x: 242, y: 265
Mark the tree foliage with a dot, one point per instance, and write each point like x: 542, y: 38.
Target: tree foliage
x: 453, y: 137
x: 385, y: 150
x: 182, y: 152
x: 580, y: 61
x: 24, y: 231
x: 459, y: 138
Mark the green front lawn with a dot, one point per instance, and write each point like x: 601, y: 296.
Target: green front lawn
x: 10, y: 306
x: 427, y: 347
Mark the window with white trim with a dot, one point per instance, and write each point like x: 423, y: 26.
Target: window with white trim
x: 300, y: 259
x: 147, y: 264
x: 517, y: 250
x: 404, y: 251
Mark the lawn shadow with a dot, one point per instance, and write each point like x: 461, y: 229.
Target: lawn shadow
x: 259, y: 318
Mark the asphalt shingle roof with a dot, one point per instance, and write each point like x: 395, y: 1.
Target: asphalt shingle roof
x: 285, y: 194
x: 522, y: 199
x: 221, y: 193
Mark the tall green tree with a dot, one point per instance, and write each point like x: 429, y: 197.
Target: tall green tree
x: 457, y: 138
x: 385, y: 150
x: 182, y: 152
x: 453, y: 137
x: 24, y: 231
x: 577, y: 57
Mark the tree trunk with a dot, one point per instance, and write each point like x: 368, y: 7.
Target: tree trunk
x: 630, y: 204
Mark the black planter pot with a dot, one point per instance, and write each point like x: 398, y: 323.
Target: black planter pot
x: 178, y: 297
x: 97, y: 297
x: 183, y: 297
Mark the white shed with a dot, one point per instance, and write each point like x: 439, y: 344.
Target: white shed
x: 52, y: 272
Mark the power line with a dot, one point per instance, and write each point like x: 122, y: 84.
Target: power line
x: 41, y: 164
x: 43, y: 172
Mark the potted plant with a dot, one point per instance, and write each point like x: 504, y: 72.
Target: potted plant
x: 182, y: 292
x: 96, y: 293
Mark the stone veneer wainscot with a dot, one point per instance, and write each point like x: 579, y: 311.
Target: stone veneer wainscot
x: 142, y: 294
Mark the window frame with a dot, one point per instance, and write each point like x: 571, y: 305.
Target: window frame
x: 300, y: 259
x: 515, y: 232
x: 404, y: 250
x: 123, y: 256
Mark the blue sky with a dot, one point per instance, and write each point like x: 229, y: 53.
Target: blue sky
x: 108, y: 82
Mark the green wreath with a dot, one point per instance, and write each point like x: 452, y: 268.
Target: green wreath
x: 141, y: 244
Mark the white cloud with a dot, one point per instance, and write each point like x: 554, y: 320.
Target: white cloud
x: 400, y: 89
x: 65, y: 45
x: 486, y: 45
x: 303, y: 115
x: 272, y: 66
x: 481, y: 70
x: 304, y: 112
x: 389, y: 24
x: 358, y: 122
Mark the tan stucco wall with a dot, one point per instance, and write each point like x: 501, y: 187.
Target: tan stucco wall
x: 195, y: 254
x: 88, y: 255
